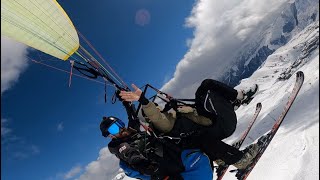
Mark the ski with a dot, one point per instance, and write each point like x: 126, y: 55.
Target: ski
x: 265, y: 140
x: 221, y: 170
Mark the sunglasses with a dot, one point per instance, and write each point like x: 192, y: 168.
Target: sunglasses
x: 115, y: 126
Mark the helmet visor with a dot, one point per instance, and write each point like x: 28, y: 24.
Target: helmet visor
x: 115, y: 127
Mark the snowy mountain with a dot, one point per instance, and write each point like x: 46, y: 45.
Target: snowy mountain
x: 283, y: 24
x: 293, y: 153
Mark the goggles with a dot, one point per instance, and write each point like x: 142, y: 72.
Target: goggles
x: 115, y: 126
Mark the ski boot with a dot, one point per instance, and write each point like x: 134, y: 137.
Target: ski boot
x: 249, y: 153
x: 248, y: 95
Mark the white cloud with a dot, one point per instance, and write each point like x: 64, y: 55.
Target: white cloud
x: 73, y: 172
x: 220, y: 29
x: 34, y: 149
x: 60, y: 126
x: 7, y: 135
x: 20, y: 155
x: 4, y: 128
x: 21, y: 150
x: 14, y: 146
x: 105, y: 167
x: 13, y: 62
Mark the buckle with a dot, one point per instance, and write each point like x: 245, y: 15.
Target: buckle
x: 183, y: 135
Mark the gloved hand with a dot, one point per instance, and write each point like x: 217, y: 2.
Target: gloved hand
x: 137, y: 158
x: 130, y: 154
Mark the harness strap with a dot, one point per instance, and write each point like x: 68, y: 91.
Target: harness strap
x: 71, y: 67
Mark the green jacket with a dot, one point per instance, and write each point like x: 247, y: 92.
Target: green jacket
x: 164, y: 122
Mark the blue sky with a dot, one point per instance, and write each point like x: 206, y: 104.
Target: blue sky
x: 53, y: 127
x: 50, y: 131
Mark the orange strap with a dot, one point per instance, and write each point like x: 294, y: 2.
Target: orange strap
x: 166, y: 178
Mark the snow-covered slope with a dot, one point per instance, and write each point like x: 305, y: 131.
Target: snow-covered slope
x: 294, y: 151
x: 271, y: 34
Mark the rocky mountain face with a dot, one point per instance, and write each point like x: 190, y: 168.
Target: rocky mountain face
x: 293, y: 17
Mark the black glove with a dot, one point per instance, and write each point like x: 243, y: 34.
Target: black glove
x: 137, y: 158
x: 131, y: 155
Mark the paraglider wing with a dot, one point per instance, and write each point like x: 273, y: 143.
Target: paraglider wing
x: 41, y: 24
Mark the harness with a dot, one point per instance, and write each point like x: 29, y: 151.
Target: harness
x: 159, y: 150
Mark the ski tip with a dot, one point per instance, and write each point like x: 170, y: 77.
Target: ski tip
x: 300, y: 77
x: 300, y: 74
x: 259, y: 105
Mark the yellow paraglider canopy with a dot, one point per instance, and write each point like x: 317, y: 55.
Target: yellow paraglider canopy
x: 41, y: 24
x: 45, y: 26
